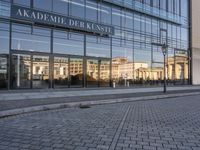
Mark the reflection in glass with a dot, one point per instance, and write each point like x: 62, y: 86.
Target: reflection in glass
x: 77, y: 5
x: 122, y: 63
x: 25, y: 38
x: 22, y: 2
x: 91, y: 10
x: 92, y: 72
x: 98, y: 47
x: 4, y: 38
x: 142, y: 66
x: 61, y: 73
x: 21, y: 67
x: 60, y: 6
x: 68, y: 43
x: 104, y: 73
x: 116, y: 16
x: 3, y: 72
x: 105, y: 13
x: 181, y: 65
x: 40, y: 71
x: 4, y: 9
x: 44, y: 4
x: 76, y: 72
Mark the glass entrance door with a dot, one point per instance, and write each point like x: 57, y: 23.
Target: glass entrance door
x: 40, y: 71
x: 104, y: 77
x: 92, y: 76
x: 61, y: 72
x: 21, y: 71
x: 76, y: 72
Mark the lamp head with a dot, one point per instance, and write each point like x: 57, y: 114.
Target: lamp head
x: 164, y: 49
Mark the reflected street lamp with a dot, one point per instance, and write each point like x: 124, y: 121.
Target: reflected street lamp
x: 164, y: 47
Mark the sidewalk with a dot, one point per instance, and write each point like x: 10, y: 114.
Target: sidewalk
x: 17, y: 102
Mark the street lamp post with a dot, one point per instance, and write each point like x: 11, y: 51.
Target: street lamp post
x: 164, y: 51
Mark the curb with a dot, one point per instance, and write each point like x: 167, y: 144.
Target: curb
x: 19, y: 111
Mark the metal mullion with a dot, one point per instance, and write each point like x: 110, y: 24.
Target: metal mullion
x: 99, y: 64
x: 69, y: 74
x: 31, y: 76
x: 51, y: 62
x: 84, y: 83
x: 110, y: 62
x: 9, y: 59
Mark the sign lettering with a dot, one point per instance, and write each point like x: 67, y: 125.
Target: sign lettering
x: 37, y: 16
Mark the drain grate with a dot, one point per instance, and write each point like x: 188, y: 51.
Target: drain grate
x: 84, y: 106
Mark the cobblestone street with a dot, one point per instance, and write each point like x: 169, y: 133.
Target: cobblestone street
x: 166, y: 124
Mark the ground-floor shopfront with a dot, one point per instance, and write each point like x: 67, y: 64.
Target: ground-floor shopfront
x: 40, y: 70
x: 32, y: 70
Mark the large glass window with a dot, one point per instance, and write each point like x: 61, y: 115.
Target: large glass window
x: 40, y: 71
x: 77, y: 8
x: 128, y: 20
x: 43, y: 4
x: 156, y: 3
x: 91, y: 10
x: 4, y: 51
x: 4, y: 9
x: 104, y: 74
x: 163, y: 5
x: 61, y: 72
x: 4, y: 38
x: 184, y: 38
x: 60, y: 6
x: 3, y: 71
x: 154, y: 27
x: 147, y: 4
x: 184, y: 8
x: 76, y: 72
x: 30, y: 38
x: 128, y: 3
x: 118, y: 1
x: 122, y: 62
x: 139, y: 4
x: 97, y: 46
x: 137, y: 22
x: 142, y: 63
x: 22, y: 2
x: 143, y: 24
x: 177, y: 7
x: 21, y: 71
x: 148, y: 26
x: 105, y: 13
x: 68, y: 43
x: 170, y: 6
x: 163, y: 8
x: 116, y: 16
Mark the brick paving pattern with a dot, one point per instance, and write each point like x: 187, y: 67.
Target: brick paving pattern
x: 167, y: 124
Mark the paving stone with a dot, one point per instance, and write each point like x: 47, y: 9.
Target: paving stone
x: 168, y: 124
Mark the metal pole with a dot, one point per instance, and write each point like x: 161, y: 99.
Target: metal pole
x: 165, y: 89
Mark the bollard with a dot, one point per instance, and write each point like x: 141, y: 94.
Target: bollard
x: 114, y: 84
x: 127, y: 83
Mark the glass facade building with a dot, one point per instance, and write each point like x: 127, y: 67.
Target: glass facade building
x: 39, y: 55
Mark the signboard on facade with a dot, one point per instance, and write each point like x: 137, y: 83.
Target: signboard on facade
x: 37, y: 16
x: 180, y: 52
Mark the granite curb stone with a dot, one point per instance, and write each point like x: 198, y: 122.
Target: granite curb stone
x: 12, y: 112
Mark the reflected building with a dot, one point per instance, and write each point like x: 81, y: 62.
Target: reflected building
x: 92, y: 43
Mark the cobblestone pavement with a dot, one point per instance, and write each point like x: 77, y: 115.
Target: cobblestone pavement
x: 166, y: 124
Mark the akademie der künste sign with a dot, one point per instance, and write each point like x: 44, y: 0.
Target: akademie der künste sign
x: 37, y: 16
